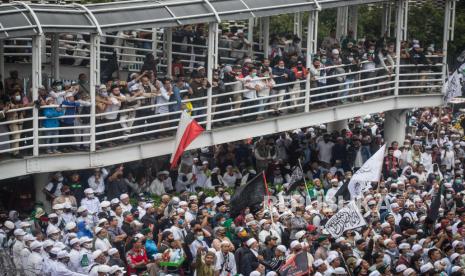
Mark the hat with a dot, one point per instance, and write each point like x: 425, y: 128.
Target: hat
x: 35, y: 245
x: 455, y: 243
x: 8, y: 224
x: 98, y: 229
x: 157, y: 256
x: 255, y: 273
x: 294, y: 244
x: 112, y: 251
x: 408, y: 271
x: 116, y: 268
x: 426, y: 267
x: 300, y: 234
x: 335, y: 52
x: 105, y: 204
x: 84, y: 239
x: 55, y: 250
x: 88, y: 191
x: 48, y: 243
x: 385, y: 224
x: 29, y: 237
x: 148, y: 205
x: 401, y: 268
x: 455, y: 269
x: 281, y: 248
x: 62, y: 254
x: 123, y: 196
x: 58, y: 206
x: 340, y: 271
x: 70, y: 225
x: 208, y: 200
x: 73, y: 241
x: 250, y: 242
x: 103, y: 268
x: 81, y: 209
x: 375, y: 273
x: 96, y: 254
x: 387, y: 241
x: 331, y: 258
x: 416, y: 247
x: 454, y: 256
x: 114, y: 201
x: 52, y: 215
x: 318, y: 262
x: 404, y: 246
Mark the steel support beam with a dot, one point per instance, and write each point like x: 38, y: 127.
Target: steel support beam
x: 298, y: 24
x: 342, y: 19
x: 212, y: 61
x: 36, y: 82
x: 266, y: 35
x: 386, y: 20
x: 399, y: 33
x: 449, y: 19
x: 312, y: 47
x: 250, y: 36
x: 2, y: 62
x: 169, y: 50
x: 94, y: 79
x: 353, y: 20
x: 55, y: 57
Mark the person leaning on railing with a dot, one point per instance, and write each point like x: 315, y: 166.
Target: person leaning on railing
x: 4, y: 137
x: 15, y: 101
x: 52, y: 113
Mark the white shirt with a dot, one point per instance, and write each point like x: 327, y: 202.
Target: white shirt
x: 93, y: 204
x: 325, y: 151
x: 157, y: 187
x: 226, y: 265
x: 178, y: 233
x: 18, y: 246
x: 230, y: 180
x: 250, y: 83
x: 126, y: 207
x: 115, y: 106
x: 35, y: 264
x: 163, y: 99
x: 98, y: 185
x: 62, y: 270
x: 57, y: 192
x: 102, y: 244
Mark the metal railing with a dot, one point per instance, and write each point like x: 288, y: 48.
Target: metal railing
x: 229, y: 105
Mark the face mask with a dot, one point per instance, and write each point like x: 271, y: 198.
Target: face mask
x: 17, y: 98
x: 59, y: 87
x: 281, y: 67
x: 351, y: 59
x: 227, y: 197
x: 371, y: 51
x: 200, y: 238
x: 180, y: 222
x: 254, y: 75
x: 90, y: 196
x: 448, y: 196
x: 323, y: 60
x: 87, y: 245
x: 104, y: 94
x: 266, y: 75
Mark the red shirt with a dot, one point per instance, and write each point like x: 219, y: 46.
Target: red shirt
x: 133, y: 257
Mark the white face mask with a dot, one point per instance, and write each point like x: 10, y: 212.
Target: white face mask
x: 18, y: 98
x: 87, y: 245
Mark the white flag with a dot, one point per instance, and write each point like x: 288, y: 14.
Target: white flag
x: 345, y: 219
x: 370, y: 171
x: 453, y: 86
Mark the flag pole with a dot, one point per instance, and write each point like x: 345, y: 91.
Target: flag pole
x: 268, y: 195
x: 305, y: 181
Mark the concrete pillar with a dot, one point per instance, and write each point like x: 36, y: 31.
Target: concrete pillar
x: 395, y: 122
x: 40, y: 181
x: 337, y: 125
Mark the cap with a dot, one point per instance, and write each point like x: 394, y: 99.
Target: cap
x: 416, y: 247
x: 208, y: 200
x: 114, y: 201
x: 116, y: 268
x: 404, y: 246
x: 455, y: 269
x: 281, y: 248
x: 52, y: 215
x: 73, y: 241
x: 426, y: 267
x: 375, y: 273
x: 318, y: 262
x: 48, y: 243
x: 102, y: 220
x: 62, y: 254
x: 89, y: 191
x: 385, y: 224
x: 8, y: 224
x: 19, y: 232
x: 408, y: 271
x: 84, y: 239
x: 52, y: 230
x: 105, y: 204
x: 340, y: 271
x: 98, y: 229
x: 250, y: 242
x: 401, y: 268
x: 70, y: 225
x: 112, y: 251
x: 35, y: 245
x: 103, y: 268
x: 81, y: 209
x: 331, y: 258
x: 148, y: 205
x: 123, y: 196
x: 29, y: 237
x: 300, y: 234
x: 96, y: 254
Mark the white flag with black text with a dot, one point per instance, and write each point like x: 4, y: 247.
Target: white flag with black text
x: 345, y: 219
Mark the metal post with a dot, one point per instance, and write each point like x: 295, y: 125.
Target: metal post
x: 385, y: 24
x: 341, y: 29
x: 94, y: 79
x: 298, y: 24
x: 36, y: 82
x: 399, y: 29
x: 250, y: 36
x: 169, y: 52
x: 449, y: 18
x: 312, y: 37
x: 266, y: 35
x: 405, y: 20
x: 154, y: 41
x: 2, y: 62
x: 353, y: 20
x: 211, y: 65
x: 55, y: 54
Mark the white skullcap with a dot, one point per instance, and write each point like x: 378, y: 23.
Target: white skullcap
x: 96, y: 254
x: 10, y: 225
x: 112, y: 251
x: 416, y: 247
x: 70, y: 225
x: 255, y: 273
x: 48, y: 243
x: 29, y: 237
x: 340, y: 271
x: 116, y: 268
x: 58, y: 206
x: 123, y: 196
x: 114, y: 201
x: 375, y: 273
x: 73, y: 241
x: 401, y: 268
x: 52, y: 230
x: 426, y: 267
x: 318, y: 262
x: 294, y: 244
x: 89, y: 191
x: 208, y: 200
x: 62, y: 254
x: 331, y: 258
x: 105, y: 204
x: 84, y: 240
x: 404, y: 246
x: 98, y: 229
x: 281, y: 248
x: 81, y: 209
x: 250, y: 241
x: 455, y: 269
x: 103, y: 268
x: 408, y: 271
x: 19, y: 232
x: 148, y: 205
x: 35, y: 244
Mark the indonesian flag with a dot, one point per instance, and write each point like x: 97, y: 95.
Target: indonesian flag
x: 188, y: 130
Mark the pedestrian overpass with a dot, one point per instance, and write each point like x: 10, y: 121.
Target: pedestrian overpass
x: 406, y: 86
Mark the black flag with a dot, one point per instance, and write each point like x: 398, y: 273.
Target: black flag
x: 250, y: 195
x: 343, y: 191
x: 433, y: 212
x: 297, y: 178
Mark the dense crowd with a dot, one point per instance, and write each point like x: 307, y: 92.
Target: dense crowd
x: 145, y: 104
x: 143, y: 219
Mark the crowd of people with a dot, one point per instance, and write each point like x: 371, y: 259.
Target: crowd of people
x: 146, y: 103
x: 141, y: 218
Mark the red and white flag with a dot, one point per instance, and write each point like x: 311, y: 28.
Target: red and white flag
x: 188, y: 130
